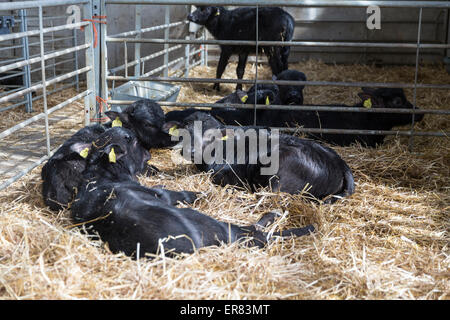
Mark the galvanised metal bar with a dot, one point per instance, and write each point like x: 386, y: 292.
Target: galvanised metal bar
x: 91, y: 78
x: 39, y: 116
x: 256, y: 64
x: 18, y: 35
x: 137, y: 46
x: 44, y: 83
x: 166, y: 45
x: 26, y: 170
x: 49, y: 82
x: 286, y: 82
x: 144, y: 30
x: 297, y: 3
x: 45, y: 57
x: 143, y: 59
x: 16, y: 5
x: 293, y: 108
x: 286, y: 43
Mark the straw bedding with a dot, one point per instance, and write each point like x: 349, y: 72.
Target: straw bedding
x: 389, y: 240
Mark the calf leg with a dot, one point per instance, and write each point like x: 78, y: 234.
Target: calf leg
x: 284, y: 57
x: 274, y: 56
x: 241, y: 68
x: 172, y: 197
x: 225, y: 54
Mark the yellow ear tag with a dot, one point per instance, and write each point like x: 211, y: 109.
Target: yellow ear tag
x: 173, y: 131
x: 217, y: 13
x: 244, y: 98
x: 367, y: 103
x: 224, y: 138
x: 112, y: 156
x: 84, y: 152
x: 116, y: 123
x: 149, y: 162
x: 267, y: 101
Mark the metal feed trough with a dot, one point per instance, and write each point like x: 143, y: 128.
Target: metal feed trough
x: 135, y: 90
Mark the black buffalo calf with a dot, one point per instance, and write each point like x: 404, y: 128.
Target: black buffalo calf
x: 274, y: 24
x: 291, y: 165
x: 146, y: 119
x: 125, y: 213
x: 62, y: 172
x: 383, y: 98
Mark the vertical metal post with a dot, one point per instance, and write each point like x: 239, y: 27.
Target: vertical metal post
x: 186, y: 59
x: 256, y: 61
x: 104, y: 56
x: 137, y: 46
x: 91, y: 81
x: 166, y: 37
x: 202, y: 46
x: 419, y: 31
x: 26, y: 56
x: 205, y: 47
x: 53, y: 49
x: 75, y: 43
x: 44, y: 84
x: 447, y: 38
x: 125, y: 58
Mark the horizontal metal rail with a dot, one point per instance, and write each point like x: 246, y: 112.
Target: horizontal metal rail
x: 290, y: 3
x: 293, y: 108
x: 26, y: 170
x: 368, y: 132
x: 42, y: 115
x: 44, y: 30
x: 144, y: 30
x: 143, y: 59
x: 56, y: 39
x: 285, y: 82
x: 47, y: 83
x: 46, y: 57
x: 171, y: 63
x: 16, y: 5
x: 21, y: 103
x: 286, y: 43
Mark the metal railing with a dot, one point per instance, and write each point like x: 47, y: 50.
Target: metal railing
x: 45, y: 55
x: 417, y: 46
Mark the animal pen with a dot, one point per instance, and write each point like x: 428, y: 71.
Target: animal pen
x: 388, y: 240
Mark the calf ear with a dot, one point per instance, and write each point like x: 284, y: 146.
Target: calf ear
x: 170, y: 127
x: 371, y: 100
x: 113, y: 152
x: 123, y: 116
x: 81, y: 148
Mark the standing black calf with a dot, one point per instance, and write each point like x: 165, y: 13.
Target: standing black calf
x: 300, y: 162
x: 274, y: 24
x: 125, y: 213
x: 62, y: 172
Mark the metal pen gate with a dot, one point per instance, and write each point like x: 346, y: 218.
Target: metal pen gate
x: 417, y: 46
x: 100, y: 79
x: 47, y: 79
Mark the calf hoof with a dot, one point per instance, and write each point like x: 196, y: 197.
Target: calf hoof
x: 216, y: 87
x: 151, y: 171
x: 266, y: 219
x: 190, y: 197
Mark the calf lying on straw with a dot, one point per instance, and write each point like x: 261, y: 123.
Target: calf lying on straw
x: 125, y: 213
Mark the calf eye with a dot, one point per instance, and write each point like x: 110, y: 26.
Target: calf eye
x: 397, y: 101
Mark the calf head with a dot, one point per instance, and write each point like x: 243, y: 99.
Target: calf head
x: 291, y: 94
x: 145, y: 118
x: 117, y: 153
x: 204, y: 14
x: 196, y: 127
x: 389, y: 98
